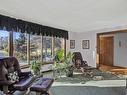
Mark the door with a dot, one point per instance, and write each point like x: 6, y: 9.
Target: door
x: 106, y: 50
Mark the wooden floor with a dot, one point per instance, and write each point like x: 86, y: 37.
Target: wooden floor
x: 114, y: 69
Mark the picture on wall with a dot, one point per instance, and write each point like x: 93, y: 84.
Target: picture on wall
x: 85, y: 44
x: 72, y: 44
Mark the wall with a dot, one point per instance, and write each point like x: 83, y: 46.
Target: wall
x: 88, y: 54
x: 120, y: 53
x: 120, y: 50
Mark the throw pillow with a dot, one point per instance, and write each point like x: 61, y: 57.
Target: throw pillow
x: 13, y: 76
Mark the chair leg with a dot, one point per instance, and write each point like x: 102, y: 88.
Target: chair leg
x: 5, y: 89
x: 47, y: 93
x: 38, y: 93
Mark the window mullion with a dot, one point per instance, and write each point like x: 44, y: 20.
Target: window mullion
x: 64, y: 47
x: 10, y: 46
x: 53, y: 46
x: 28, y: 48
x: 42, y: 48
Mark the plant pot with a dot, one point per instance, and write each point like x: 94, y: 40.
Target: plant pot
x: 69, y: 72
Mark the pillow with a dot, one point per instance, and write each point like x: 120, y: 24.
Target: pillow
x: 13, y: 76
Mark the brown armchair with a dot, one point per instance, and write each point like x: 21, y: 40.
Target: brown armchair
x: 78, y: 60
x: 9, y: 65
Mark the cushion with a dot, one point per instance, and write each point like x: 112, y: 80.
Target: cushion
x: 13, y: 76
x: 42, y: 85
x: 23, y: 84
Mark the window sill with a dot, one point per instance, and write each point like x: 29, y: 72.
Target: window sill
x: 24, y: 66
x: 47, y: 62
x: 44, y: 63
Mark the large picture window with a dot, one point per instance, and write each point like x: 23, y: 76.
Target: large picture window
x: 4, y: 43
x: 27, y: 48
x: 20, y: 47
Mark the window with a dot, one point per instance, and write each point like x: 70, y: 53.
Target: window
x: 27, y: 48
x: 35, y: 47
x: 58, y: 44
x: 4, y: 44
x: 20, y: 47
x: 47, y: 48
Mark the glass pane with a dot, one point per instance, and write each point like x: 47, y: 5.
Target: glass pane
x: 47, y: 48
x: 4, y: 48
x: 58, y: 44
x: 35, y: 47
x: 20, y: 47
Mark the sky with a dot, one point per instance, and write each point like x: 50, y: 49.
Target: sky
x: 3, y: 33
x: 6, y: 33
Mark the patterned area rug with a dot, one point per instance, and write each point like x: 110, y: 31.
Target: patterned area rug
x: 93, y: 75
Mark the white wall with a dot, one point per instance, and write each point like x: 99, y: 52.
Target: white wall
x: 120, y: 51
x: 88, y: 54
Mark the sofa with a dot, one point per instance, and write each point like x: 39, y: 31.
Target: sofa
x: 8, y: 65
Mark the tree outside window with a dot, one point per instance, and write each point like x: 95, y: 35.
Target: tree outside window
x: 4, y: 47
x: 20, y: 47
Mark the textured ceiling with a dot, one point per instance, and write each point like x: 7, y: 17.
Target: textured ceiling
x: 72, y: 15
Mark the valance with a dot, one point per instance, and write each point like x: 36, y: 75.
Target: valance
x: 18, y: 25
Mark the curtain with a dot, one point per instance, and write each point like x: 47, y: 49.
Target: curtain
x: 18, y: 25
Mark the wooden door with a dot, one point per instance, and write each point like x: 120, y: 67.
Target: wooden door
x: 106, y: 50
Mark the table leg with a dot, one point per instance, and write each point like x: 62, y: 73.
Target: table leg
x: 38, y: 93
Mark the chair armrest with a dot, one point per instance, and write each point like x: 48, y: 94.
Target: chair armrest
x: 6, y: 82
x: 25, y: 74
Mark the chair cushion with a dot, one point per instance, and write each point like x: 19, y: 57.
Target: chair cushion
x: 23, y: 84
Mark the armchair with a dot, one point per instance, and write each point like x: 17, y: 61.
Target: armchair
x: 10, y: 65
x: 78, y: 60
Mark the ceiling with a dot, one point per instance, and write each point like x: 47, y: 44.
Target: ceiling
x: 71, y: 15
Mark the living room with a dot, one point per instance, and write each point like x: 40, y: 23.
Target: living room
x: 75, y: 26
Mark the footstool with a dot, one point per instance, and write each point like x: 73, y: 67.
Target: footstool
x: 42, y: 85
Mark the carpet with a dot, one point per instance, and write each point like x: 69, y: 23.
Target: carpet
x: 82, y: 78
x: 80, y: 84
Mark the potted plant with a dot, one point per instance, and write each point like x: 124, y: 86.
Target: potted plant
x: 63, y: 63
x: 69, y: 64
x: 58, y: 67
x: 36, y: 67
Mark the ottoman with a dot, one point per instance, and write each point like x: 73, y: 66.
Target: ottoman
x: 42, y: 85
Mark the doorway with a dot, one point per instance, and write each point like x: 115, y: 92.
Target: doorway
x: 106, y: 50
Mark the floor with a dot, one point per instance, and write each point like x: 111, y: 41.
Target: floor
x: 102, y: 87
x: 108, y: 87
x: 114, y: 69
